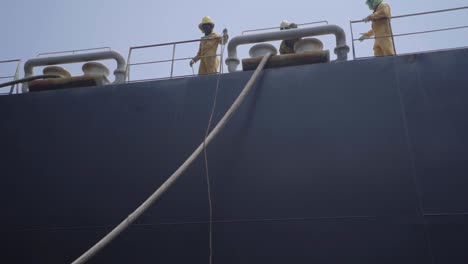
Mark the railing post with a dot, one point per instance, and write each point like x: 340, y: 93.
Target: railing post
x: 391, y: 31
x: 173, y: 57
x: 16, y: 78
x: 127, y: 71
x: 352, y: 39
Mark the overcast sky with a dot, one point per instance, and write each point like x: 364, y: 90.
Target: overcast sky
x: 30, y: 27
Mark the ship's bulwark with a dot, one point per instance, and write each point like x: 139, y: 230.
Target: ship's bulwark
x: 355, y: 162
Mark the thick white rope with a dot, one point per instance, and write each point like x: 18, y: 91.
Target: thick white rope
x: 165, y: 186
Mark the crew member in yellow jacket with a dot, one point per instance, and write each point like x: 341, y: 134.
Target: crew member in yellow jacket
x: 287, y: 45
x: 209, y: 62
x: 381, y: 28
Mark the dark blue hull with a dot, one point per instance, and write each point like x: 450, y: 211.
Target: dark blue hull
x: 354, y: 162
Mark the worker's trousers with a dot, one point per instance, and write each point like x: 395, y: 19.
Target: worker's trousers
x: 384, y: 47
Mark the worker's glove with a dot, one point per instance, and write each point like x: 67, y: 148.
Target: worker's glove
x: 191, y: 63
x: 366, y: 19
x: 225, y: 31
x: 363, y: 37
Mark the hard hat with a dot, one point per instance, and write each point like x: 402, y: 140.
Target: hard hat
x: 206, y: 20
x: 284, y: 24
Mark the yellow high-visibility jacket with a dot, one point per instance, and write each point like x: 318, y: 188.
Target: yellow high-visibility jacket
x: 209, y: 63
x: 285, y: 49
x: 381, y: 29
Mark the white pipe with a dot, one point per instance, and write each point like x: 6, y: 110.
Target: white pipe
x: 103, y: 55
x: 168, y: 183
x: 341, y: 49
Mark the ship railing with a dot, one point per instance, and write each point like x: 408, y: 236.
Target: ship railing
x: 13, y: 77
x: 277, y: 28
x: 172, y: 60
x: 393, y: 36
x: 72, y: 52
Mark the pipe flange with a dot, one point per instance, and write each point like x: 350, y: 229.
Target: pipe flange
x: 344, y: 48
x: 232, y: 63
x: 342, y: 52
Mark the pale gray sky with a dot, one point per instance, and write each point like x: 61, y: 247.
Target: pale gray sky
x: 30, y: 27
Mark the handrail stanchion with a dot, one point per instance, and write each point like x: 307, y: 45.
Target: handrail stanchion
x: 173, y: 57
x: 128, y: 64
x: 16, y: 78
x: 393, y: 38
x: 352, y: 40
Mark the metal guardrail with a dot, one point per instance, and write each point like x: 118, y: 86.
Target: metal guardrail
x: 409, y: 33
x: 13, y: 77
x: 172, y: 60
x: 271, y: 28
x: 174, y: 45
x: 72, y: 51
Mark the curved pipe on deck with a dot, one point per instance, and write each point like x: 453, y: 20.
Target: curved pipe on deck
x: 341, y: 49
x: 119, y: 73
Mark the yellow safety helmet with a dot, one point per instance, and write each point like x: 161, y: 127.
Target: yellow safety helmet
x: 206, y: 20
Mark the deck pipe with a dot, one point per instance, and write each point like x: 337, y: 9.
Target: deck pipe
x: 119, y: 72
x: 341, y: 49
